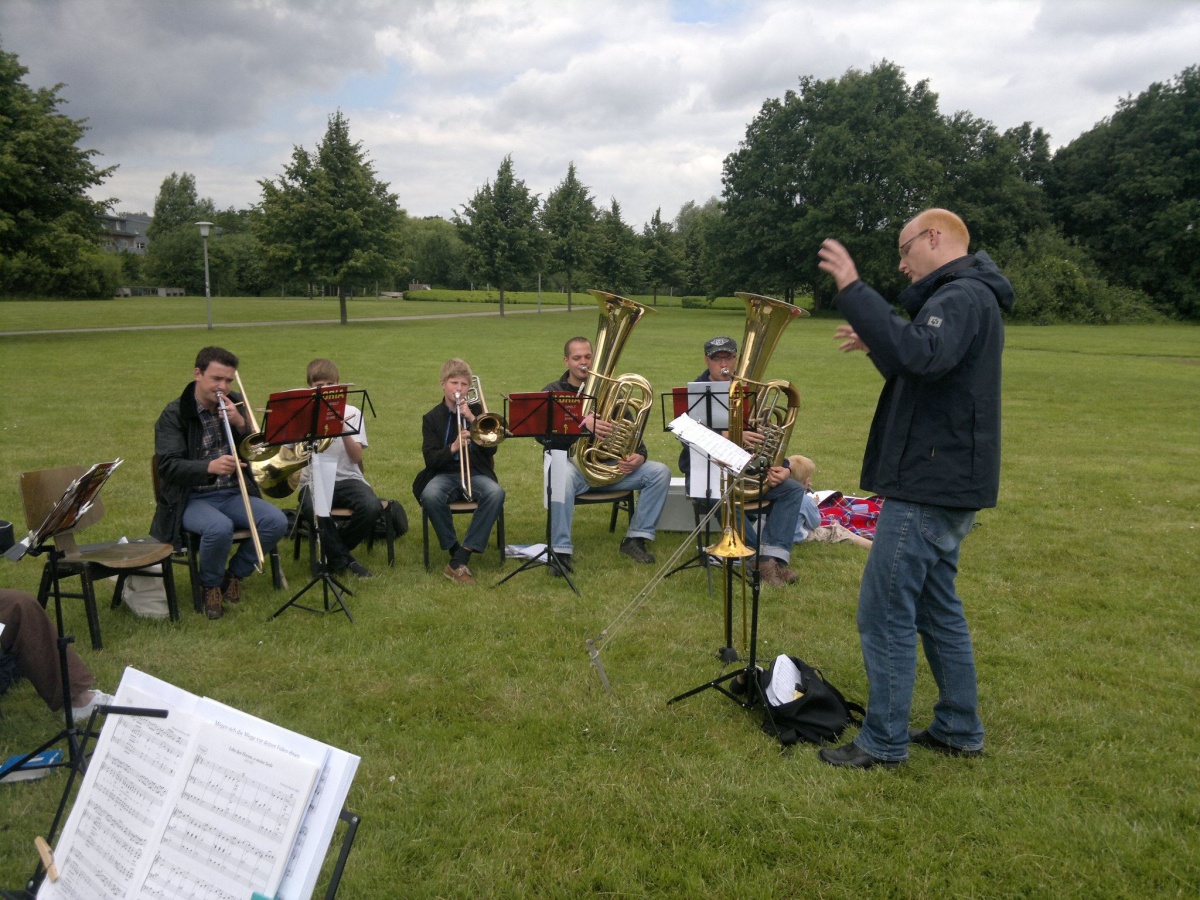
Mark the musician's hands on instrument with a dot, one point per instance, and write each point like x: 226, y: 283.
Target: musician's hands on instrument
x: 463, y: 442
x: 236, y: 419
x: 836, y: 260
x: 751, y: 440
x: 464, y: 410
x: 776, y: 475
x: 223, y: 465
x: 850, y: 340
x: 599, y: 427
x: 631, y: 463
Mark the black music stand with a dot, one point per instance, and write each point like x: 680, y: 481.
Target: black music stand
x: 544, y: 415
x: 66, y: 514
x: 707, y: 408
x: 307, y: 416
x: 754, y: 690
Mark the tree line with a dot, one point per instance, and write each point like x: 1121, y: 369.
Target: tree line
x: 1106, y: 229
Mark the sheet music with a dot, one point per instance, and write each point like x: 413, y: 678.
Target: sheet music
x: 719, y: 449
x: 207, y: 803
x: 556, y: 465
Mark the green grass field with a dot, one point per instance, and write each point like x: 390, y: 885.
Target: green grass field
x: 495, y: 765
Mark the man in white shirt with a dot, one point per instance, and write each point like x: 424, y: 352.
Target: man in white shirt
x: 350, y: 490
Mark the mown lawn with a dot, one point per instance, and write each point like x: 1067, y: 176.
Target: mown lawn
x: 494, y: 764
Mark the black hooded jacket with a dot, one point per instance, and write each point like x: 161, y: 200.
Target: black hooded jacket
x: 935, y: 437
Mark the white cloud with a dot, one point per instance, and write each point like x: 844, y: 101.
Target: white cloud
x: 647, y: 98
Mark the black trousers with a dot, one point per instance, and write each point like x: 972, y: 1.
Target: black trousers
x: 339, y: 537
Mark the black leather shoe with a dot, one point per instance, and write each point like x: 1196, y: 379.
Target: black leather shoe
x: 635, y: 549
x: 852, y: 756
x: 924, y: 739
x: 560, y: 564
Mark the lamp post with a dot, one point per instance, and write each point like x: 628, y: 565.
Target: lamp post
x: 204, y: 227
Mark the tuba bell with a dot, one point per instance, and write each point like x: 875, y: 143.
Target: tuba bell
x: 768, y: 407
x: 624, y: 400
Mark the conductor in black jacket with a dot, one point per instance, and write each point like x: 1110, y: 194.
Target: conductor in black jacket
x: 198, y: 483
x: 934, y: 453
x: 441, y: 481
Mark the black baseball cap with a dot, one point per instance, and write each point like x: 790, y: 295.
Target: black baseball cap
x: 720, y: 345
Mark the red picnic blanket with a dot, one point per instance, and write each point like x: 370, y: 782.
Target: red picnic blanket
x: 859, y: 514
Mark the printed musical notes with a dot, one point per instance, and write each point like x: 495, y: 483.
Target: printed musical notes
x: 204, y: 804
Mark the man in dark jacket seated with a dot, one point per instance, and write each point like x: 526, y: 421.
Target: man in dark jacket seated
x: 199, y: 490
x: 934, y: 453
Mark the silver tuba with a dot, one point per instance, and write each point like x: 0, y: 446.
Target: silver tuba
x: 768, y: 407
x: 624, y: 400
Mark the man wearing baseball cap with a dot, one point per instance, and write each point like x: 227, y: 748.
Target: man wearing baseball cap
x: 785, y: 494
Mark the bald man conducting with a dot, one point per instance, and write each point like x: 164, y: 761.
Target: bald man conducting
x: 934, y: 453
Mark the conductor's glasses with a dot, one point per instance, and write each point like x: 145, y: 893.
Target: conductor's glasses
x: 904, y: 247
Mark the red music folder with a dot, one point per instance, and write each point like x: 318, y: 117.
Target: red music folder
x: 544, y: 413
x: 304, y: 413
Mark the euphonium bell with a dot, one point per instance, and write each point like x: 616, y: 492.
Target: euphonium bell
x: 624, y: 400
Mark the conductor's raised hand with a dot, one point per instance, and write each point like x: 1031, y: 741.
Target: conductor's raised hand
x: 836, y: 261
x: 850, y: 341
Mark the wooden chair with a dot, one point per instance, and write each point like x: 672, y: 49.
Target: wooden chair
x: 191, y: 550
x: 459, y: 508
x: 40, y: 490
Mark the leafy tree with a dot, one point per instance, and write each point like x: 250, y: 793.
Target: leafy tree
x: 500, y: 227
x: 177, y: 206
x: 328, y: 218
x: 855, y: 158
x: 49, y: 233
x: 696, y: 227
x: 568, y: 219
x: 438, y: 253
x: 617, y: 260
x: 662, y: 261
x: 1129, y: 191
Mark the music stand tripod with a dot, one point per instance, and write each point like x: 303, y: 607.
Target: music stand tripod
x: 544, y: 415
x: 317, y: 413
x: 727, y: 654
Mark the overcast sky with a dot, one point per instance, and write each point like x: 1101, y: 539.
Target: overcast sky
x: 647, y: 98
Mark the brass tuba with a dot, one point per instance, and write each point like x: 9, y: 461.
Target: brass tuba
x: 624, y: 400
x: 768, y: 407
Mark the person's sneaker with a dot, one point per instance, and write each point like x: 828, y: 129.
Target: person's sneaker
x: 461, y: 575
x: 357, y: 568
x: 99, y: 698
x: 231, y: 590
x: 774, y: 573
x: 213, y: 607
x: 635, y: 549
x: 924, y: 739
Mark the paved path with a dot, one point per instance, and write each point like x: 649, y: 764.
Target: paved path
x: 511, y: 312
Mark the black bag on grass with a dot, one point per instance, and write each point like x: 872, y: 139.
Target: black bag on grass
x: 399, y: 521
x: 818, y: 716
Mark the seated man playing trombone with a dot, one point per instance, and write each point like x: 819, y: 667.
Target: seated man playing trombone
x: 457, y: 467
x: 202, y: 487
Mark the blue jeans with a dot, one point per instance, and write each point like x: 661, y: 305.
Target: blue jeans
x: 908, y: 589
x: 436, y: 499
x: 215, y: 515
x: 652, y: 479
x: 779, y: 533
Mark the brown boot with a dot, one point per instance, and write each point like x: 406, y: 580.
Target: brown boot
x: 212, y: 603
x: 776, y: 574
x: 232, y: 589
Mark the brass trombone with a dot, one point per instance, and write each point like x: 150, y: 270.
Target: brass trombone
x: 275, y: 469
x: 487, y: 430
x: 241, y: 480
